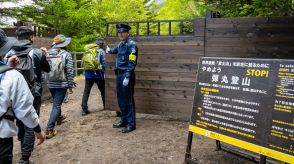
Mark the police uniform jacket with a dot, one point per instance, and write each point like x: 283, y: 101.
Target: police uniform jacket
x: 127, y: 53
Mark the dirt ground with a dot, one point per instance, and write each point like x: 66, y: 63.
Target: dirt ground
x: 92, y: 140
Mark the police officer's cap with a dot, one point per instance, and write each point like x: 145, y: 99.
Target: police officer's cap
x: 122, y: 27
x: 99, y: 41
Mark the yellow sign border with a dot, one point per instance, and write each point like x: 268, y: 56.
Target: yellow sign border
x: 244, y: 145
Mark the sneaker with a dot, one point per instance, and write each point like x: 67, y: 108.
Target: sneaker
x: 50, y: 133
x: 21, y: 161
x: 60, y: 119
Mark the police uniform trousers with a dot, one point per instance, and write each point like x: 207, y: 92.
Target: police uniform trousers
x: 125, y: 98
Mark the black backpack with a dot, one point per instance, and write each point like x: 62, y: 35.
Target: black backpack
x: 26, y: 68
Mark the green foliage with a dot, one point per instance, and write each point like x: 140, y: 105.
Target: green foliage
x: 236, y: 8
x: 181, y: 9
x: 83, y: 20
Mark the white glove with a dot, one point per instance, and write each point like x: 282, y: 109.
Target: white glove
x: 107, y: 49
x: 126, y: 81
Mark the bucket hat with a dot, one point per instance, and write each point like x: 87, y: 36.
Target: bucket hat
x: 60, y: 41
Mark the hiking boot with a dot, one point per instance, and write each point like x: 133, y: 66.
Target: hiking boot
x: 21, y: 161
x: 50, y: 133
x: 60, y: 119
x: 66, y: 98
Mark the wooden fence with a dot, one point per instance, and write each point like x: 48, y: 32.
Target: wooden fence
x: 158, y: 28
x: 167, y: 64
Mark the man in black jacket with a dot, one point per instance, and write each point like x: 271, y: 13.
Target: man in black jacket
x: 39, y: 63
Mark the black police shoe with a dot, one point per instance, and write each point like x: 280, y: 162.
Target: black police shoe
x: 118, y: 125
x: 118, y: 114
x: 127, y: 129
x: 85, y: 112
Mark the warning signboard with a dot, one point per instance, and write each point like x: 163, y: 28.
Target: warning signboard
x: 248, y: 103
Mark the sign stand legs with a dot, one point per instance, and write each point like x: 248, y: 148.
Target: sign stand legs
x: 218, y: 145
x: 262, y: 159
x: 188, y: 159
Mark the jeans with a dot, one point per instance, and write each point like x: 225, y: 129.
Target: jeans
x: 89, y: 82
x: 6, y: 149
x: 125, y: 97
x: 58, y: 95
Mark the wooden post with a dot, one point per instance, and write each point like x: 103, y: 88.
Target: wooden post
x: 35, y: 30
x: 169, y: 28
x: 181, y: 27
x: 39, y: 31
x: 147, y: 28
x: 158, y: 28
x: 137, y: 28
x: 107, y: 29
x: 75, y: 64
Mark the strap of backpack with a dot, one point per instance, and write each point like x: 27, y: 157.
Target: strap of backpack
x: 3, y: 69
x: 63, y: 56
x: 31, y: 54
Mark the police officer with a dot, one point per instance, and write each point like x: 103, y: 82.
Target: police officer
x: 126, y: 61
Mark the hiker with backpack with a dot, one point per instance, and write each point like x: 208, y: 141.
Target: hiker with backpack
x: 93, y: 63
x: 32, y: 63
x: 60, y: 79
x: 16, y: 101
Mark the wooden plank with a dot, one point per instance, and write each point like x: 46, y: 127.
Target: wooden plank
x: 159, y: 93
x: 153, y: 84
x: 248, y: 42
x: 231, y: 33
x: 248, y: 26
x: 157, y: 75
x: 168, y: 106
x: 263, y: 55
x: 182, y: 41
x: 244, y: 20
x: 167, y: 58
x: 164, y: 50
x: 170, y: 46
x: 256, y: 49
x: 164, y: 67
x: 112, y: 98
x: 182, y: 113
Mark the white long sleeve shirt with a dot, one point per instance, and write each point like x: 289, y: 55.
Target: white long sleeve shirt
x: 15, y: 93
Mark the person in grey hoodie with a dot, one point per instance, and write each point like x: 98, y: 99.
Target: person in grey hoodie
x: 16, y: 101
x: 24, y: 49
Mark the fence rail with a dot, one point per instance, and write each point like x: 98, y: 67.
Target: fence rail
x: 77, y: 61
x: 39, y: 31
x: 42, y: 31
x: 156, y: 28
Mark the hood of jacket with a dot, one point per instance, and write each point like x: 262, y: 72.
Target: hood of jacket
x: 23, y: 47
